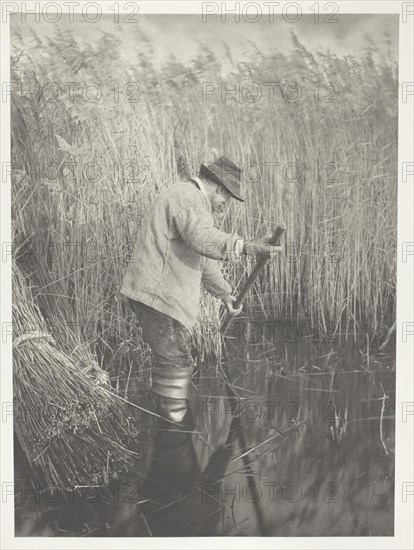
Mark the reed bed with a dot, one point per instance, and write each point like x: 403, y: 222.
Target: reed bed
x: 84, y: 173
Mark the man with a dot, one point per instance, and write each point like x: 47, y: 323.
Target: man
x: 177, y: 249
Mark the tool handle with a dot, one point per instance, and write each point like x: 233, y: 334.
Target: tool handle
x: 258, y: 267
x: 280, y: 229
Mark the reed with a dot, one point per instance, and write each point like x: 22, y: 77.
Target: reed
x: 72, y: 427
x: 85, y: 173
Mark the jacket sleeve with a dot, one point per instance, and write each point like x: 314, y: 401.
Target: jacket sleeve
x: 213, y: 280
x: 196, y: 227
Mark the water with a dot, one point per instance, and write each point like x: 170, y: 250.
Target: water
x: 331, y: 474
x: 315, y: 423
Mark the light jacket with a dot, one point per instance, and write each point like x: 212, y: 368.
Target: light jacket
x: 176, y: 250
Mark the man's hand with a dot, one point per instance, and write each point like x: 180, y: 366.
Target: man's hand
x: 263, y: 248
x: 229, y: 301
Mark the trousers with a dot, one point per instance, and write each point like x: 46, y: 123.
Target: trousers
x: 172, y: 363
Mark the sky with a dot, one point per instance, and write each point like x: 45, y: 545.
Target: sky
x: 345, y: 37
x: 179, y: 34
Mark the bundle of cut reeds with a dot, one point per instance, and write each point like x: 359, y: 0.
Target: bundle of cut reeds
x: 73, y: 429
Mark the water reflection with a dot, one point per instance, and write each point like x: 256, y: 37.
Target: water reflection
x: 304, y: 448
x: 307, y: 451
x: 318, y: 423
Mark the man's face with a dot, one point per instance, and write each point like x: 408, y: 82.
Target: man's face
x: 219, y: 205
x: 220, y: 198
x: 218, y: 213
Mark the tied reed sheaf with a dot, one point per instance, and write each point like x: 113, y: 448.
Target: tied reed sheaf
x: 72, y: 428
x: 85, y: 172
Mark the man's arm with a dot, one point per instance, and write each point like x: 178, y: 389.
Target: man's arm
x: 196, y: 228
x: 213, y: 280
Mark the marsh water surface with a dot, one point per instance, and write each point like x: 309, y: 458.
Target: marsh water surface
x: 303, y: 447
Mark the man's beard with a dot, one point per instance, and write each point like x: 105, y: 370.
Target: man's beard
x: 218, y: 213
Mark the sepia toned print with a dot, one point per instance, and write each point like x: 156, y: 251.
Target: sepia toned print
x: 204, y: 271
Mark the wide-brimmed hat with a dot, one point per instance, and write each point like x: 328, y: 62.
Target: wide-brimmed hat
x: 224, y: 171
